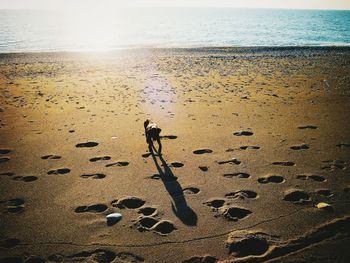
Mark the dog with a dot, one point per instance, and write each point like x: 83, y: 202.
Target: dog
x: 152, y: 133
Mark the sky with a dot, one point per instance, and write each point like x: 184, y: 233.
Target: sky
x: 91, y: 4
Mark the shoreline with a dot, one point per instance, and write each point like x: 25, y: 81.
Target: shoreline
x: 238, y: 49
x: 211, y: 52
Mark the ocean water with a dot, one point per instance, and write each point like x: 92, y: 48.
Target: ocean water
x: 81, y: 30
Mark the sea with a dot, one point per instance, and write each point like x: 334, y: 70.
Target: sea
x: 145, y: 27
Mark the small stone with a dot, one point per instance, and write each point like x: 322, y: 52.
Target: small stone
x: 324, y: 206
x: 113, y: 218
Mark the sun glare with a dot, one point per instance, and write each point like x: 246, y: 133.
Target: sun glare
x: 94, y: 30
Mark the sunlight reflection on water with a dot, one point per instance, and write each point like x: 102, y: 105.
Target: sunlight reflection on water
x: 39, y: 30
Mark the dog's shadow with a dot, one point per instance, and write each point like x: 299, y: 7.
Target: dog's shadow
x: 173, y: 187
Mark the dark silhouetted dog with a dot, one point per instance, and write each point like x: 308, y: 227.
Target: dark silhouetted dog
x: 152, y: 132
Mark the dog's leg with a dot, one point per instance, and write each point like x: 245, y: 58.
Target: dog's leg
x: 160, y: 146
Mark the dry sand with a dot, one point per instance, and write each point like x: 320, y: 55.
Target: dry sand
x: 254, y: 139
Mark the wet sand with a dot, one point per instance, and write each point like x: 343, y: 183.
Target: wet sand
x: 253, y: 139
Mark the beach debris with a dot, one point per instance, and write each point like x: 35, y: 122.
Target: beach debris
x: 324, y: 206
x: 113, y: 218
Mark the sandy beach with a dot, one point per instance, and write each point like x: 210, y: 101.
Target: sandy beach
x: 255, y: 164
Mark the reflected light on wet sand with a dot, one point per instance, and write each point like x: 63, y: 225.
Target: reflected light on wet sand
x: 157, y: 97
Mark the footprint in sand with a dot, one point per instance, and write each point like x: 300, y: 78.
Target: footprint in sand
x: 332, y: 165
x: 7, y: 174
x: 13, y: 206
x: 316, y: 178
x: 247, y: 132
x: 242, y: 194
x: 26, y: 178
x: 204, y: 259
x: 308, y: 127
x: 277, y: 179
x: 21, y: 260
x: 202, y: 151
x: 303, y: 146
x: 128, y: 257
x: 163, y: 227
x: 118, y: 164
x: 98, y: 255
x: 93, y: 176
x: 324, y: 192
x: 246, y: 147
x: 86, y: 144
x: 10, y: 242
x: 204, y: 168
x: 215, y: 203
x: 191, y: 190
x: 146, y: 155
x: 343, y: 145
x: 232, y: 161
x: 236, y: 213
x: 146, y: 223
x: 176, y: 164
x: 130, y: 202
x: 59, y: 171
x: 248, y: 244
x: 4, y: 159
x: 5, y: 151
x: 153, y: 177
x: 97, y: 208
x: 297, y: 196
x: 51, y: 157
x: 148, y: 211
x: 101, y: 158
x: 238, y: 175
x: 284, y: 163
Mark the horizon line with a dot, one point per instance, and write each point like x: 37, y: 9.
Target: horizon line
x: 183, y: 6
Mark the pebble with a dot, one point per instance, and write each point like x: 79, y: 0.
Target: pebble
x: 113, y: 218
x: 324, y: 206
